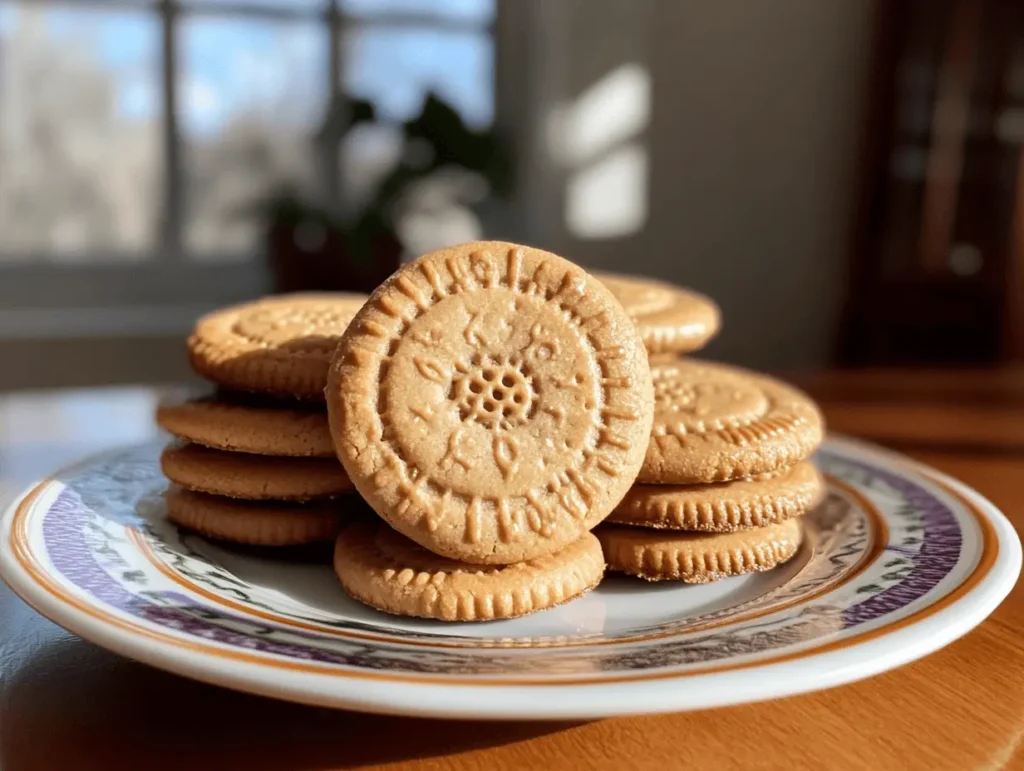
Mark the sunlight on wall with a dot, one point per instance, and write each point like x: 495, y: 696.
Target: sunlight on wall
x: 608, y: 198
x: 598, y: 139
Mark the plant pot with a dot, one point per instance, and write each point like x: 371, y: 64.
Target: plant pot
x: 325, y: 262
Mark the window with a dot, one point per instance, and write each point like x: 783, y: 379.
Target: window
x: 137, y: 137
x: 79, y: 89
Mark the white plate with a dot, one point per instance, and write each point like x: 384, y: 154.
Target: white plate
x: 899, y: 561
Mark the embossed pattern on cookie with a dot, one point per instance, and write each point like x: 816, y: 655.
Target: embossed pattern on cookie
x: 670, y: 319
x: 715, y: 423
x: 491, y: 401
x: 280, y: 345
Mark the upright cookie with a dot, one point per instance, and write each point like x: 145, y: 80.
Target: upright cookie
x: 714, y: 423
x: 280, y: 345
x: 387, y: 571
x: 491, y: 401
x: 698, y: 558
x: 253, y: 477
x: 724, y: 506
x: 261, y: 426
x: 670, y: 318
x: 251, y: 522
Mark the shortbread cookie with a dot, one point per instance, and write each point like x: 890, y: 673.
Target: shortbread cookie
x: 387, y: 571
x: 253, y: 477
x: 491, y: 402
x: 240, y: 423
x: 251, y: 522
x: 697, y: 558
x: 724, y: 506
x: 280, y: 345
x: 714, y: 423
x: 670, y: 318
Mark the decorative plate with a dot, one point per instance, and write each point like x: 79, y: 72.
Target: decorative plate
x: 899, y: 561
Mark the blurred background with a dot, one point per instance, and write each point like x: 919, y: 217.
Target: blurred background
x: 844, y: 178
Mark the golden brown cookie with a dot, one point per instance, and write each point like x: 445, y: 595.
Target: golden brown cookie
x: 253, y: 477
x: 280, y: 345
x: 257, y: 426
x: 714, y: 423
x: 697, y: 558
x: 252, y: 522
x: 387, y: 571
x: 670, y: 318
x: 490, y: 401
x: 724, y: 506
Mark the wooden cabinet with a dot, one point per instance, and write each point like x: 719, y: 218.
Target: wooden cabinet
x: 937, y: 259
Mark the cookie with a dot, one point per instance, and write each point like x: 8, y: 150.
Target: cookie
x: 260, y: 426
x: 253, y: 477
x: 491, y: 402
x: 725, y: 506
x: 714, y: 423
x: 387, y: 571
x: 697, y: 558
x: 670, y: 318
x: 279, y: 345
x: 251, y: 522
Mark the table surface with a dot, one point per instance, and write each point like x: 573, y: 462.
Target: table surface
x: 65, y: 703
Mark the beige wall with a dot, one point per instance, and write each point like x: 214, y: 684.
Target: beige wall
x: 757, y: 111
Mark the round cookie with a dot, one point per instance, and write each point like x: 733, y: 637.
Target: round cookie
x: 492, y: 402
x: 253, y: 477
x: 260, y: 427
x: 698, y: 558
x: 387, y: 571
x: 724, y: 506
x: 670, y: 319
x: 250, y: 522
x: 714, y: 423
x: 280, y: 345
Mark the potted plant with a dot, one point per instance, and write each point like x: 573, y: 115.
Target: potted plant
x: 312, y: 245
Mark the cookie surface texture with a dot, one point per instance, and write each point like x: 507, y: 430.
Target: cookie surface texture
x: 280, y: 345
x: 253, y: 477
x: 251, y: 522
x: 384, y: 569
x: 698, y: 558
x: 670, y: 318
x: 239, y: 425
x: 490, y: 402
x: 725, y: 506
x: 715, y: 423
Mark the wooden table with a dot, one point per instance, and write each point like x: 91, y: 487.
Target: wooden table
x: 65, y: 703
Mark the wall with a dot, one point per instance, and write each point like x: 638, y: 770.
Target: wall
x: 752, y: 141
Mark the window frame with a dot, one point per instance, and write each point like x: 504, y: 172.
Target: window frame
x: 169, y: 277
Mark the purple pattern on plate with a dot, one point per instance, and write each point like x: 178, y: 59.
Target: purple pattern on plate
x: 941, y: 543
x: 64, y: 526
x: 69, y: 521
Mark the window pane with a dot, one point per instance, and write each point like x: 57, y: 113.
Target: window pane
x: 284, y: 5
x: 479, y: 11
x: 251, y: 95
x: 80, y: 136
x: 395, y: 68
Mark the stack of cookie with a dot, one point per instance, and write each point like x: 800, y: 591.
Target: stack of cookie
x: 254, y: 462
x: 493, y: 404
x: 725, y: 477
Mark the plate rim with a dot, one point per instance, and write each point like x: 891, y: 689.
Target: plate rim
x: 864, y: 655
